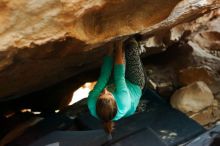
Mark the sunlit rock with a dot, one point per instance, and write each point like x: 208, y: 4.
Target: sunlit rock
x: 192, y: 98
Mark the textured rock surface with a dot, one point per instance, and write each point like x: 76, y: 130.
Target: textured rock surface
x: 193, y: 74
x: 183, y: 57
x: 192, y: 98
x: 46, y: 41
x: 208, y: 116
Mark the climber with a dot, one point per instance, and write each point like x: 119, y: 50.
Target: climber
x: 110, y: 104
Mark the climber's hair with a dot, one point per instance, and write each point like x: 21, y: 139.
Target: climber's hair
x: 106, y: 110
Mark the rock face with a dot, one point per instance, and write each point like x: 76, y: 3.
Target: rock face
x: 46, y: 41
x: 192, y: 98
x: 183, y: 57
x: 193, y: 74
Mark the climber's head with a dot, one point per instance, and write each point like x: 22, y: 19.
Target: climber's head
x: 106, y: 109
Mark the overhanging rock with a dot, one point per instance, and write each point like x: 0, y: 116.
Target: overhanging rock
x: 46, y: 41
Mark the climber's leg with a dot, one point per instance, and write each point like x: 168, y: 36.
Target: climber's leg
x: 134, y: 69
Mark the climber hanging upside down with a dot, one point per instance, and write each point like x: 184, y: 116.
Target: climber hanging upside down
x: 110, y: 104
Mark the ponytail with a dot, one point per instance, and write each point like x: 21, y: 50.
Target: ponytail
x: 106, y: 110
x: 108, y: 126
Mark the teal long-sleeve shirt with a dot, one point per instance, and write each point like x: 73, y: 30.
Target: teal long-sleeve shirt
x: 126, y: 94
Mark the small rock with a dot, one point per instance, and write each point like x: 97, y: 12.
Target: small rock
x: 192, y: 98
x: 165, y: 89
x: 151, y: 84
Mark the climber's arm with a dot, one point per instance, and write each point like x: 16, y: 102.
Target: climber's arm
x: 102, y: 81
x: 119, y: 52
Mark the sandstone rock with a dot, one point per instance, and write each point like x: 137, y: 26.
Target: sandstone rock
x: 192, y: 74
x: 208, y: 116
x: 206, y: 32
x: 186, y: 59
x: 46, y: 41
x: 182, y: 64
x: 192, y: 98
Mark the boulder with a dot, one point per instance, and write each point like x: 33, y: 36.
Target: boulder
x: 192, y: 98
x: 46, y: 41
